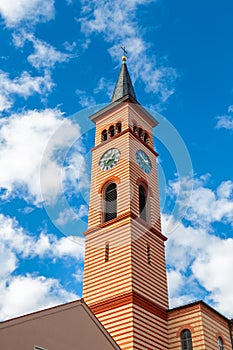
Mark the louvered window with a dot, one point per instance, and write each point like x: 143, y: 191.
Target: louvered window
x: 111, y: 131
x: 118, y: 127
x: 110, y: 202
x: 142, y: 202
x: 145, y: 137
x: 186, y: 340
x: 140, y: 132
x: 104, y: 135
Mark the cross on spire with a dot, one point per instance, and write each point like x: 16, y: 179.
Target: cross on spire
x: 124, y: 50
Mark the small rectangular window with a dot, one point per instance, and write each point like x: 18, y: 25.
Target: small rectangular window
x: 106, y: 252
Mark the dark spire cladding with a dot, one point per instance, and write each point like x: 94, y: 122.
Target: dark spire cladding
x: 124, y: 85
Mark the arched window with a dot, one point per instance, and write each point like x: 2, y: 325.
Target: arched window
x: 145, y: 137
x: 118, y: 127
x: 186, y: 340
x: 104, y: 135
x: 110, y: 210
x: 111, y: 131
x: 140, y: 132
x: 220, y: 343
x: 142, y: 202
x: 135, y: 128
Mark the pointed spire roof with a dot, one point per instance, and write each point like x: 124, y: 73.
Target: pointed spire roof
x: 124, y: 92
x: 124, y: 86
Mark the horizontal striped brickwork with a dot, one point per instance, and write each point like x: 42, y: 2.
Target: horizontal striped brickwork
x: 204, y: 323
x: 127, y: 113
x: 136, y: 173
x: 126, y: 292
x: 149, y: 280
x: 129, y: 174
x: 186, y: 318
x: 150, y: 331
x: 127, y: 271
x: 119, y: 323
x: 103, y: 279
x: 136, y: 116
x: 134, y: 327
x: 127, y: 268
x: 99, y: 177
x: 214, y: 326
x: 120, y: 114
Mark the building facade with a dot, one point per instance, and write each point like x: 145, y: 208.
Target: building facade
x: 125, y: 292
x: 125, y: 282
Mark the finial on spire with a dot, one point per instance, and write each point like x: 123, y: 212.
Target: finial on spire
x: 124, y: 58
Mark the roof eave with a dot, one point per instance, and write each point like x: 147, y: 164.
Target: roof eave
x: 126, y: 98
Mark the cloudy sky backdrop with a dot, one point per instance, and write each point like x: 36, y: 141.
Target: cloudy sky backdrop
x: 59, y: 61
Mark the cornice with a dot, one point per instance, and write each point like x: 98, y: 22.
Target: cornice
x: 126, y: 215
x: 131, y: 297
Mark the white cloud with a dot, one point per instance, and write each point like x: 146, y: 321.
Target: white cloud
x: 69, y: 246
x: 8, y: 262
x: 72, y: 214
x: 78, y: 275
x: 18, y: 242
x: 116, y: 22
x: 45, y: 55
x: 31, y: 147
x: 23, y: 86
x: 225, y: 121
x: 69, y: 46
x: 26, y: 11
x: 175, y: 281
x: 213, y: 269
x: 5, y: 100
x: 24, y: 294
x: 206, y: 205
x: 26, y: 210
x: 198, y: 258
x: 106, y: 86
x: 225, y: 189
x: 83, y: 99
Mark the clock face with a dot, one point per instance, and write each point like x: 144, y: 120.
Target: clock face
x: 143, y: 161
x: 109, y: 159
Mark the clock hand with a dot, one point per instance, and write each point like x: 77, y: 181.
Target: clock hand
x: 110, y: 160
x: 143, y: 160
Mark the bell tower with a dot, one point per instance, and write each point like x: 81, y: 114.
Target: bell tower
x: 125, y: 282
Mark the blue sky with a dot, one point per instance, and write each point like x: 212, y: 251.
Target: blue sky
x: 59, y: 61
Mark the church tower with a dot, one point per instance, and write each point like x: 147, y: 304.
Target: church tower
x: 125, y: 282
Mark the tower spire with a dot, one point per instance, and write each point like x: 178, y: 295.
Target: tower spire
x: 124, y: 84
